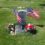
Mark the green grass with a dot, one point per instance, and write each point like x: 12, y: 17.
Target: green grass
x: 6, y: 17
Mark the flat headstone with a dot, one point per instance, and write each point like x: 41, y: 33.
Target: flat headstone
x: 18, y: 29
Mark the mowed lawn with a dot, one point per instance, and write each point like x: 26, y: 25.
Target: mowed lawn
x: 7, y: 16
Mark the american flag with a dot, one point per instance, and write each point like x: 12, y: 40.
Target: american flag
x: 34, y: 13
x: 18, y: 19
